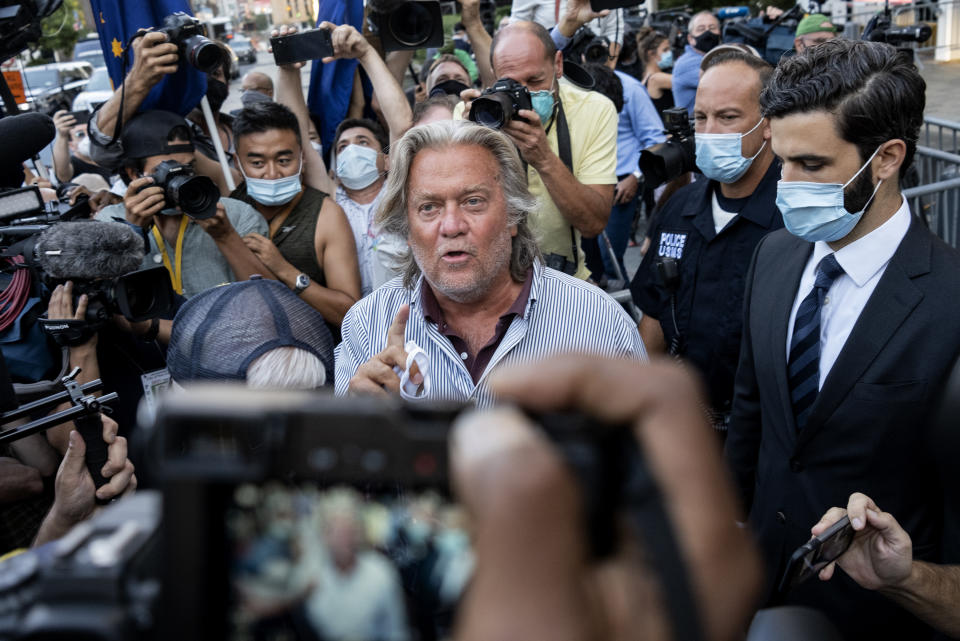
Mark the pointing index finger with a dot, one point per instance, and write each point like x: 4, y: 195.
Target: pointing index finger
x: 397, y: 331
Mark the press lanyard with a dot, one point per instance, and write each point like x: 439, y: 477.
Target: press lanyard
x: 176, y: 274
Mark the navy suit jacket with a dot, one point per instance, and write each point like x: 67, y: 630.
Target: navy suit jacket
x: 869, y: 429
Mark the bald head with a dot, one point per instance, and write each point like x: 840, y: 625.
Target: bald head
x: 260, y: 82
x: 526, y: 32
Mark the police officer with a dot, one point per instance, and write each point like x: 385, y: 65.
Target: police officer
x: 691, y: 281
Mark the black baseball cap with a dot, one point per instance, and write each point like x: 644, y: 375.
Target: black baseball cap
x: 147, y: 135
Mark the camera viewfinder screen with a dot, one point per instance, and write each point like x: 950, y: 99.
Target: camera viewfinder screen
x: 337, y: 565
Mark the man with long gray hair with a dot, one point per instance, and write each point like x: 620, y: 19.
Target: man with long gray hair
x: 474, y: 292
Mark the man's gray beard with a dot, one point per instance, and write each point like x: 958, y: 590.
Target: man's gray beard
x: 478, y: 289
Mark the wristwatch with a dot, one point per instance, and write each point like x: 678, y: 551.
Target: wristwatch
x: 302, y: 282
x: 637, y: 175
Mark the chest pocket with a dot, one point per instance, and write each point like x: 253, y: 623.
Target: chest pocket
x: 671, y: 244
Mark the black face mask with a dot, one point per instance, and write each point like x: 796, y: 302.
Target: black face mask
x: 449, y: 87
x: 706, y: 41
x: 216, y: 93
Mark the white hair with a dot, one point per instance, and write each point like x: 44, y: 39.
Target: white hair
x: 287, y: 367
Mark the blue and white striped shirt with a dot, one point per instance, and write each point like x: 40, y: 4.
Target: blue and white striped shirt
x: 563, y: 314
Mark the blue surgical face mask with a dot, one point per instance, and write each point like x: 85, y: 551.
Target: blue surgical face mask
x: 278, y: 191
x: 666, y: 60
x: 543, y: 103
x: 720, y: 156
x: 815, y: 211
x: 357, y: 166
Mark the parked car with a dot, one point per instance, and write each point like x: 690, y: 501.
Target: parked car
x: 243, y: 47
x: 52, y: 87
x: 89, y: 50
x: 97, y: 91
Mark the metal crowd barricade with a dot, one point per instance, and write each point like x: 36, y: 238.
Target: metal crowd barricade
x: 941, y: 134
x: 937, y: 197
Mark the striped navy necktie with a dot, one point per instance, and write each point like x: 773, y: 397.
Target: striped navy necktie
x: 803, y: 369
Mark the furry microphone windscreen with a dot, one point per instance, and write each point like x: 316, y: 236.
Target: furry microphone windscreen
x: 89, y: 249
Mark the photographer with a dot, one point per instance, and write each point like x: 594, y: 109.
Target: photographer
x: 533, y: 579
x: 310, y: 246
x: 199, y: 252
x: 153, y: 57
x: 71, y: 150
x: 567, y: 140
x: 813, y: 30
x: 708, y: 229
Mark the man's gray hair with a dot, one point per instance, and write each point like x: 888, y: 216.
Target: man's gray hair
x: 392, y: 214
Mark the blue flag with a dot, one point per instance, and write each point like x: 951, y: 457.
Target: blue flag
x: 331, y: 84
x: 117, y: 21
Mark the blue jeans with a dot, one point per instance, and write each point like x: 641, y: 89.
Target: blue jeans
x: 618, y: 232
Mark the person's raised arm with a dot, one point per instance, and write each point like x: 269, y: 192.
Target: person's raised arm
x: 290, y: 94
x: 881, y: 558
x: 63, y: 121
x: 480, y: 40
x: 153, y: 57
x: 243, y: 263
x: 349, y: 43
x: 576, y: 14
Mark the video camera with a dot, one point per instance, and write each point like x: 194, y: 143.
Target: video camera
x: 196, y: 196
x: 499, y: 104
x: 673, y: 23
x: 25, y: 206
x: 771, y: 40
x: 676, y: 156
x: 585, y: 47
x: 252, y: 483
x: 406, y: 24
x: 880, y: 28
x: 190, y: 36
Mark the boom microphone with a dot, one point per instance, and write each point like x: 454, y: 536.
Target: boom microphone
x: 23, y: 137
x: 89, y: 250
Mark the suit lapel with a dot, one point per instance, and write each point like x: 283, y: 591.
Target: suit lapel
x: 894, y: 298
x: 785, y: 292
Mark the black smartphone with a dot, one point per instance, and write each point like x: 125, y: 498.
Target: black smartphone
x: 817, y: 553
x: 82, y: 117
x: 314, y: 44
x: 600, y: 5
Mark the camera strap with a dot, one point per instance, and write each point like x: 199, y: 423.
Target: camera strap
x: 566, y: 157
x: 176, y: 269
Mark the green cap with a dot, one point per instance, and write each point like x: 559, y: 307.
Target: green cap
x: 815, y: 23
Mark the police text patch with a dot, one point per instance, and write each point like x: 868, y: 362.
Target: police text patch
x: 671, y: 245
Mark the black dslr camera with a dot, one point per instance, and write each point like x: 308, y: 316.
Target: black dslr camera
x: 406, y: 24
x: 585, y: 47
x: 500, y: 103
x: 197, y: 196
x: 676, y: 156
x: 138, y: 296
x: 190, y: 35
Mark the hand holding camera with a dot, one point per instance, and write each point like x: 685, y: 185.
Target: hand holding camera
x: 217, y: 225
x: 347, y: 42
x: 61, y: 308
x: 153, y: 57
x: 143, y: 200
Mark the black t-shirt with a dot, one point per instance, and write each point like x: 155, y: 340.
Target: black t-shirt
x: 83, y: 167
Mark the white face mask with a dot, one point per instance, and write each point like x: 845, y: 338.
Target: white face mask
x: 83, y: 147
x: 357, y: 167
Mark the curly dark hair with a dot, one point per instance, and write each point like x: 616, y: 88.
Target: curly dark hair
x: 874, y: 91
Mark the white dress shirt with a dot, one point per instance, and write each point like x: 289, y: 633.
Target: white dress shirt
x: 863, y: 262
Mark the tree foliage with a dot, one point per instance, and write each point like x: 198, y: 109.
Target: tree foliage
x: 59, y: 32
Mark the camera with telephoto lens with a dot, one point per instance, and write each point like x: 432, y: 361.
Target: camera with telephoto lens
x: 406, y: 24
x: 676, y: 156
x: 500, y: 103
x: 880, y: 28
x: 190, y: 35
x: 196, y: 196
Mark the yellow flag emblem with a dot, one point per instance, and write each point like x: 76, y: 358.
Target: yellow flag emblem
x: 117, y: 48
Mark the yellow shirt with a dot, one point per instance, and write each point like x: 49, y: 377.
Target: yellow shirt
x: 592, y: 121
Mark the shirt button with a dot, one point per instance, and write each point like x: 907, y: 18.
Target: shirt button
x: 157, y: 258
x: 826, y: 300
x: 463, y: 355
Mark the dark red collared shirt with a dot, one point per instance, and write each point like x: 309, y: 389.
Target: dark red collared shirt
x: 475, y: 364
